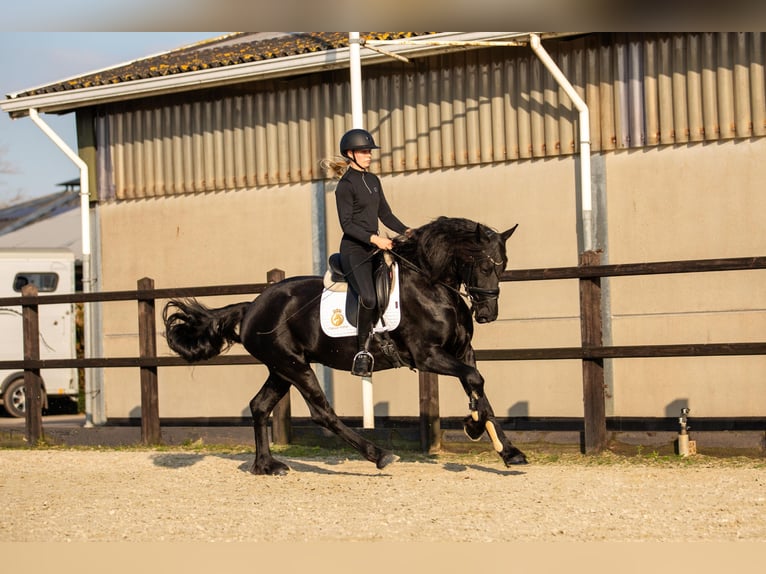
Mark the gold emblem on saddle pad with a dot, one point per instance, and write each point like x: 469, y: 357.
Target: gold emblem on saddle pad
x: 337, y: 318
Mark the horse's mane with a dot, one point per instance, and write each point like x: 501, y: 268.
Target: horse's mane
x: 437, y: 245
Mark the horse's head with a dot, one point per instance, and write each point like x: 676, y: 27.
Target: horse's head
x: 480, y: 271
x: 457, y: 251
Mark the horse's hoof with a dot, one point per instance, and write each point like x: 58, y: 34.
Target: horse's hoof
x: 519, y: 458
x: 473, y: 429
x: 280, y: 470
x: 386, y: 459
x: 273, y: 468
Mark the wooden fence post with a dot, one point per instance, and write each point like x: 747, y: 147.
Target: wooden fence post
x: 592, y: 369
x: 281, y: 426
x: 430, y: 424
x: 147, y: 348
x: 33, y: 384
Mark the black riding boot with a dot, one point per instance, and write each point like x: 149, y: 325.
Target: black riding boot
x: 363, y: 360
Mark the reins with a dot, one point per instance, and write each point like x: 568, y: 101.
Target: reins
x: 470, y: 289
x: 314, y: 299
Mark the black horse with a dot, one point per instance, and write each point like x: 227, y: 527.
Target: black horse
x: 281, y: 328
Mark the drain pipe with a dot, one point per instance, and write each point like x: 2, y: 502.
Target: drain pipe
x: 357, y: 120
x: 86, y: 252
x: 585, y: 185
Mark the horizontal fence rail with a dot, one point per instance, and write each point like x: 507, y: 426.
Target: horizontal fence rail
x: 592, y: 353
x: 627, y: 269
x: 531, y: 354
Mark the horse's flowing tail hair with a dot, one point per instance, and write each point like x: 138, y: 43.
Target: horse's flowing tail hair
x: 198, y: 333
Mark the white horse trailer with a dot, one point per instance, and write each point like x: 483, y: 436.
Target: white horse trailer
x: 52, y: 271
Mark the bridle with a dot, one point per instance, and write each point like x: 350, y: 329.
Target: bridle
x: 480, y: 294
x: 473, y: 293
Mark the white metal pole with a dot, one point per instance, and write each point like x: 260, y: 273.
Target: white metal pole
x: 357, y: 120
x: 355, y: 65
x: 585, y: 185
x: 368, y: 408
x: 86, y: 262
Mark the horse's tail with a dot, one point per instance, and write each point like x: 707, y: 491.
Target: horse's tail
x: 198, y: 333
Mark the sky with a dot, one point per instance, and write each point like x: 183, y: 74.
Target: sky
x: 31, y: 165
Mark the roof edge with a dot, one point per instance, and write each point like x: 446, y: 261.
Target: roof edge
x: 68, y: 101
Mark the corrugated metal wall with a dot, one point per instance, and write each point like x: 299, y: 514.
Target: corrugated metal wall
x: 456, y: 109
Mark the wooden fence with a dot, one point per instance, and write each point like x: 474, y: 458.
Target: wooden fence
x: 592, y: 353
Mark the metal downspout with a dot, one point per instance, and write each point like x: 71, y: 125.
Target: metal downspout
x: 86, y: 257
x: 585, y: 184
x: 357, y: 119
x: 355, y: 69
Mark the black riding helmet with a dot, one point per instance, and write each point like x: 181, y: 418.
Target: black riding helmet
x: 356, y: 139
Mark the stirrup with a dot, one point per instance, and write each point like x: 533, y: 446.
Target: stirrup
x: 363, y: 362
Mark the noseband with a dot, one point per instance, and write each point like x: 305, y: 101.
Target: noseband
x: 479, y: 294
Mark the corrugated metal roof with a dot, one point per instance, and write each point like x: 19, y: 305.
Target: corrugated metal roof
x: 463, y: 108
x: 228, y: 50
x: 59, y: 231
x: 28, y: 212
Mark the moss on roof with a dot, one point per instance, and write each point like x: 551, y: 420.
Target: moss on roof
x: 229, y: 50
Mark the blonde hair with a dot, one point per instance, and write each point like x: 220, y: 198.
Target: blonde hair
x: 336, y: 166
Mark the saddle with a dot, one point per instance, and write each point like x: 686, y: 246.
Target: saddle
x: 335, y: 280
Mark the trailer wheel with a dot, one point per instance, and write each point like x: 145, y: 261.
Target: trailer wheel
x: 15, y: 399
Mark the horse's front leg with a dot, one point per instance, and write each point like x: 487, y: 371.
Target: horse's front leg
x: 481, y: 417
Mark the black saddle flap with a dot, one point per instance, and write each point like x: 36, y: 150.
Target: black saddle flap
x: 383, y: 278
x: 336, y: 269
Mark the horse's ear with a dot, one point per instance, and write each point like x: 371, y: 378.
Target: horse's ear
x: 507, y: 234
x: 481, y: 233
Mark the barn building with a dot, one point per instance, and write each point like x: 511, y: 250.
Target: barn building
x: 205, y: 169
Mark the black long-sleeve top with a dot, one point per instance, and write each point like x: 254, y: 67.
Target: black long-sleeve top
x: 361, y: 203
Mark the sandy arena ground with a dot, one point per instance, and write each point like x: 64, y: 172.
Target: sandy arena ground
x: 57, y: 495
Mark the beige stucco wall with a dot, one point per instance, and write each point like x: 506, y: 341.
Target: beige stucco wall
x: 692, y: 202
x: 688, y: 202
x: 185, y: 241
x: 540, y: 197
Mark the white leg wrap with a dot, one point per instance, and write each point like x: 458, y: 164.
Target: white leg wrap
x: 493, y: 435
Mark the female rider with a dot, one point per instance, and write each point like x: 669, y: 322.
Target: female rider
x: 361, y: 203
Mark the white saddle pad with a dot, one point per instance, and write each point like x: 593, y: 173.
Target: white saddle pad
x: 332, y: 311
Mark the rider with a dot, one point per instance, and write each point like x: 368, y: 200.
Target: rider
x: 361, y: 203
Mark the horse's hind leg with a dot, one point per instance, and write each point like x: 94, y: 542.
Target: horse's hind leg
x: 260, y: 407
x: 323, y: 414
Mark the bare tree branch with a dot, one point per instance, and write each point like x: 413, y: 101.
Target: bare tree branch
x: 5, y: 166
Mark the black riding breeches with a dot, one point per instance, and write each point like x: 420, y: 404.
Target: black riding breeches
x: 358, y: 265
